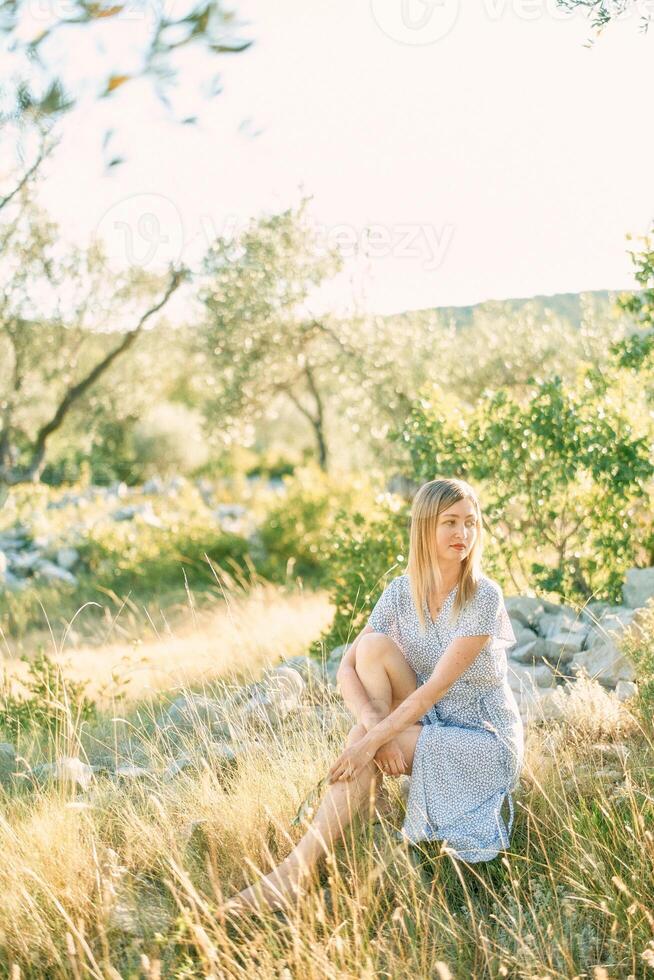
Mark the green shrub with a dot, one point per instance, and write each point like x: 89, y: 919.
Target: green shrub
x: 51, y: 704
x: 298, y: 529
x: 125, y: 556
x: 364, y: 556
x: 561, y: 474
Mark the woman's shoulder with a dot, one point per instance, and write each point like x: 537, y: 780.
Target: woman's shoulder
x: 488, y: 586
x: 399, y: 587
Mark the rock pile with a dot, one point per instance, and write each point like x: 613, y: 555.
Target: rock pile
x: 26, y: 559
x: 556, y: 643
x: 196, y: 732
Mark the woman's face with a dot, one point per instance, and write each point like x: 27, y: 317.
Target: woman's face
x: 456, y: 531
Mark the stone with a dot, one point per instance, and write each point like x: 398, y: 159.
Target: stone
x: 539, y: 704
x: 309, y: 669
x: 287, y: 679
x: 177, y: 766
x: 625, y: 690
x: 538, y: 650
x: 524, y: 609
x: 7, y: 762
x: 606, y: 663
x: 336, y: 655
x: 551, y: 624
x: 154, y: 485
x: 235, y: 519
x: 220, y: 753
x: 67, y: 558
x: 73, y: 771
x: 125, y: 513
x: 265, y: 710
x: 50, y: 572
x: 611, y: 751
x: 143, y: 511
x: 192, y: 711
x: 23, y: 561
x: 128, y: 772
x: 3, y: 567
x: 569, y: 642
x: 523, y: 634
x: 638, y: 587
x: 522, y: 676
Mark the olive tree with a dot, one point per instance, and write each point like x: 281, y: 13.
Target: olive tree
x: 65, y: 321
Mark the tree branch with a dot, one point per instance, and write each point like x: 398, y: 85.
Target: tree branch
x: 43, y: 152
x: 35, y: 466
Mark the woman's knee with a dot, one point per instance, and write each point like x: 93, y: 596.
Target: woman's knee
x: 374, y: 646
x: 356, y: 733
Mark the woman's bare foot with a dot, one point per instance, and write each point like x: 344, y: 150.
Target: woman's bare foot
x: 276, y: 890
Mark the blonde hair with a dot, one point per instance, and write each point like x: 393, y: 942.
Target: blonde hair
x: 430, y: 500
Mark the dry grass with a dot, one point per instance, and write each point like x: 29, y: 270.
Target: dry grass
x: 126, y: 880
x: 241, y: 634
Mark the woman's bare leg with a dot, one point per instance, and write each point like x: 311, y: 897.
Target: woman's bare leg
x: 388, y: 679
x: 342, y: 800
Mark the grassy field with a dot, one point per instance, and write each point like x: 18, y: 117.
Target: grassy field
x: 124, y: 878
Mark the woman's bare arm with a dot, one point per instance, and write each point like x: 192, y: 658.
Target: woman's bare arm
x: 352, y: 690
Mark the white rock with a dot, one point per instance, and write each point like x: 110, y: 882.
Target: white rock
x: 287, y: 679
x: 190, y: 711
x: 15, y: 584
x: 154, y: 485
x: 67, y: 557
x: 638, y: 587
x: 309, y: 668
x: 177, y: 766
x: 268, y: 709
x: 128, y: 770
x: 522, y: 676
x: 606, y: 663
x: 625, y: 690
x: 523, y: 634
x: 611, y: 751
x: 539, y: 705
x: 220, y: 752
x: 523, y: 608
x: 24, y: 561
x: 72, y: 770
x: 552, y: 624
x: 336, y: 655
x: 538, y: 650
x: 50, y: 572
x: 569, y: 642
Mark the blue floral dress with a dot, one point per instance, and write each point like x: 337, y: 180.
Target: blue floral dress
x: 469, y: 754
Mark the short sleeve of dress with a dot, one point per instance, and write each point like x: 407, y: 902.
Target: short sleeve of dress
x: 383, y: 617
x: 486, y: 614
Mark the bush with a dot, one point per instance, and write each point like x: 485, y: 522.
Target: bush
x: 126, y: 558
x: 298, y: 530
x: 52, y: 704
x: 363, y: 557
x: 561, y: 475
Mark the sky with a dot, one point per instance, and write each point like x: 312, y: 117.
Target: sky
x: 457, y: 154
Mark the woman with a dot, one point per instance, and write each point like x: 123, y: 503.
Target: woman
x: 427, y: 681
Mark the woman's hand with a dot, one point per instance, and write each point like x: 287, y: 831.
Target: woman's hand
x: 352, y: 760
x: 390, y: 758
